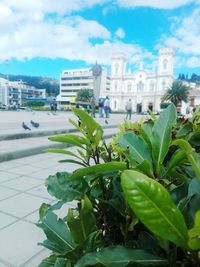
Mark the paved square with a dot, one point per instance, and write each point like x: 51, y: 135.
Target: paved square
x: 21, y: 195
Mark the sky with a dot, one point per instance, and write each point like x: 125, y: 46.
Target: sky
x: 44, y: 37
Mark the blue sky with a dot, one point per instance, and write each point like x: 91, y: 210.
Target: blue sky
x: 43, y: 37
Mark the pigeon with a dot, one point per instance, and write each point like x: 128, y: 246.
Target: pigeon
x: 25, y: 126
x: 35, y: 124
x: 106, y: 121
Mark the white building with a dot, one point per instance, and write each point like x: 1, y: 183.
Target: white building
x: 73, y: 80
x: 17, y: 92
x: 144, y: 88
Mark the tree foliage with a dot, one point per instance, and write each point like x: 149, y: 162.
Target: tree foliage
x: 84, y: 95
x: 176, y: 93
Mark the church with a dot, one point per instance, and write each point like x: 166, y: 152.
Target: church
x: 144, y: 88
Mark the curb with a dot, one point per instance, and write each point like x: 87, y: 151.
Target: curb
x: 34, y: 151
x: 4, y: 137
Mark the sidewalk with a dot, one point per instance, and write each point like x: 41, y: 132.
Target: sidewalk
x: 22, y: 191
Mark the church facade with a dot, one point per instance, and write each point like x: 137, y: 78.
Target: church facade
x: 145, y: 89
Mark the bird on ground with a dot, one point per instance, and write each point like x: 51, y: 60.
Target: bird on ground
x: 106, y: 121
x: 25, y: 126
x: 35, y: 124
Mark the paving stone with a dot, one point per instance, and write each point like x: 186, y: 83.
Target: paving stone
x: 35, y: 261
x: 20, y: 242
x: 23, y: 170
x: 21, y: 205
x: 6, y: 220
x: 42, y: 174
x: 6, y: 176
x: 23, y: 183
x: 41, y: 191
x: 6, y: 193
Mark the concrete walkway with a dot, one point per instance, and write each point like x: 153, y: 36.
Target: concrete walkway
x: 22, y: 191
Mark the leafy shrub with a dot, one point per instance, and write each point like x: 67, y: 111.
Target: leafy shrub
x: 137, y: 198
x: 34, y: 103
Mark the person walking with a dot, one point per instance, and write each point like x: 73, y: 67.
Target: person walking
x: 128, y: 109
x: 101, y: 108
x: 107, y: 107
x: 93, y: 106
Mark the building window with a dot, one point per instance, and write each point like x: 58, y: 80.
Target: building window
x: 163, y: 85
x: 115, y: 86
x: 115, y: 104
x: 140, y: 86
x: 129, y: 87
x: 116, y: 68
x: 151, y: 86
x: 165, y: 64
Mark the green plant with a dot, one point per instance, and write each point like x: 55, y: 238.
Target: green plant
x: 137, y: 198
x: 34, y: 103
x: 176, y: 93
x: 84, y: 95
x: 164, y: 105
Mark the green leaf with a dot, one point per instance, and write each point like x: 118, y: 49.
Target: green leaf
x: 48, y: 262
x: 61, y: 151
x: 194, y: 187
x: 192, y: 157
x: 70, y: 139
x: 72, y: 161
x: 194, y: 233
x: 139, y: 150
x: 98, y: 169
x: 57, y: 232
x: 61, y: 262
x: 179, y: 193
x: 119, y: 257
x: 145, y: 167
x: 152, y: 204
x: 146, y: 132
x: 88, y: 124
x: 81, y: 223
x: 63, y: 187
x: 176, y: 159
x: 161, y: 138
x: 186, y: 129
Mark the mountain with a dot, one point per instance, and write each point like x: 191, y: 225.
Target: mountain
x: 51, y: 85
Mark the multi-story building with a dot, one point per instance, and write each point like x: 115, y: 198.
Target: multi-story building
x: 144, y: 88
x: 73, y: 80
x: 17, y: 92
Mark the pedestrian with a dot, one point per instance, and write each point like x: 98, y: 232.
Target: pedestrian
x: 107, y: 106
x: 93, y: 106
x: 128, y: 109
x: 101, y: 108
x: 51, y: 107
x: 55, y: 107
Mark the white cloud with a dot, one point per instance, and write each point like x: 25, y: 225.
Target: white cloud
x: 120, y: 33
x: 160, y: 4
x: 185, y: 39
x: 38, y: 28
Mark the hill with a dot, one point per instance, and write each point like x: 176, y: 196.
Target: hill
x: 51, y: 85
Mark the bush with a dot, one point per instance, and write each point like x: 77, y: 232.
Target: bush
x: 137, y: 198
x: 35, y: 103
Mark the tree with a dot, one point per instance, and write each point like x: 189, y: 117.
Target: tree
x: 84, y: 95
x: 177, y: 93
